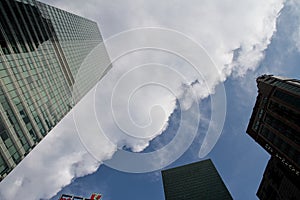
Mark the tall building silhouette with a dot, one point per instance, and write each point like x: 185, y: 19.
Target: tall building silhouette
x: 278, y: 183
x: 275, y: 125
x: 194, y: 181
x: 42, y: 49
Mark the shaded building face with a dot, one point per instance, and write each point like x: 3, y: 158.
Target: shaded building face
x: 41, y: 51
x: 193, y: 182
x: 12, y: 29
x: 278, y: 183
x: 275, y: 121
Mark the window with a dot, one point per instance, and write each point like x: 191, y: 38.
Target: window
x: 289, y: 99
x: 3, y: 165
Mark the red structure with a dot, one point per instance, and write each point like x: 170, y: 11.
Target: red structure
x: 72, y: 197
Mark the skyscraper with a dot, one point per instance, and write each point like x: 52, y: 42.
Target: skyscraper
x: 278, y: 183
x: 194, y: 181
x: 42, y: 49
x: 274, y: 123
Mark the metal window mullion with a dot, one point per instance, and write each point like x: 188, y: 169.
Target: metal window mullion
x: 6, y: 157
x: 60, y: 55
x: 12, y: 133
x: 15, y: 83
x: 59, y: 52
x: 19, y: 93
x: 49, y: 36
x: 43, y: 54
x: 27, y: 110
x: 34, y: 63
x: 26, y: 64
x: 15, y: 110
x: 21, y: 74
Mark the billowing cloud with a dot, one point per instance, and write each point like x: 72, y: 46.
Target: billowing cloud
x: 294, y: 8
x: 234, y: 33
x: 220, y: 26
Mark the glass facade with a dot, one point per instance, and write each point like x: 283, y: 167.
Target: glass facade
x: 194, y: 181
x: 41, y: 51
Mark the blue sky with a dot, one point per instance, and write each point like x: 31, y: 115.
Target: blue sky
x: 244, y: 40
x: 239, y: 160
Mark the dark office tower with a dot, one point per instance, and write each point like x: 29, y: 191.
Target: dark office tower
x: 275, y: 121
x: 278, y: 183
x: 194, y: 181
x: 41, y: 51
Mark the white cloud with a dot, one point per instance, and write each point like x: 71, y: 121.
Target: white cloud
x: 294, y: 8
x: 221, y: 27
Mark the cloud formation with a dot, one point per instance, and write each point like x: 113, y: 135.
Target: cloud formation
x: 294, y: 8
x: 234, y: 33
x: 220, y: 26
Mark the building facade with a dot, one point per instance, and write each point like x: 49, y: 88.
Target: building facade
x: 278, y: 183
x: 274, y: 123
x: 194, y: 181
x: 42, y: 49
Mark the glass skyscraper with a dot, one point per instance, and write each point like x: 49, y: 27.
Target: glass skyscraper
x: 194, y: 181
x: 42, y: 49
